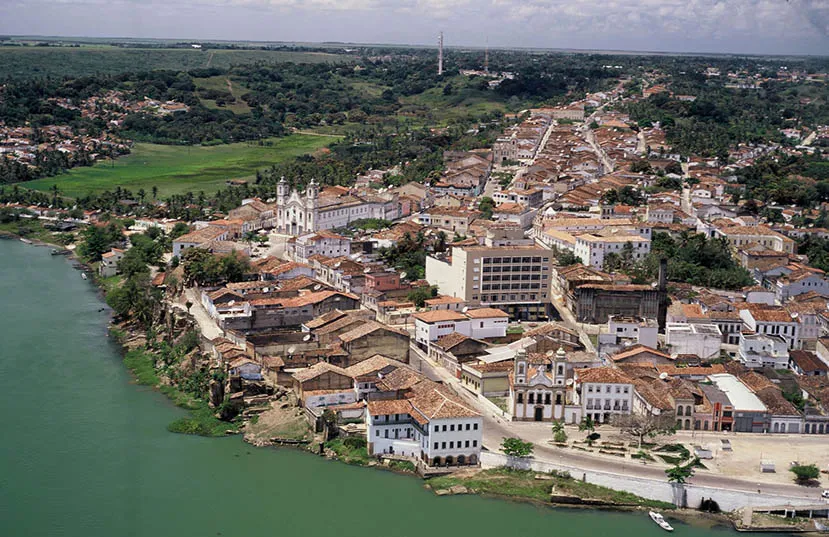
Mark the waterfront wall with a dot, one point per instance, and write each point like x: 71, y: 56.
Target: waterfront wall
x: 727, y: 499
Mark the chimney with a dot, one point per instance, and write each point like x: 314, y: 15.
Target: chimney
x: 440, y: 54
x: 663, y: 274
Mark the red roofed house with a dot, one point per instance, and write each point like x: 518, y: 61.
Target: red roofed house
x: 604, y: 392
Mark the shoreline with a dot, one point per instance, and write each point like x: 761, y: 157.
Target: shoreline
x: 122, y: 333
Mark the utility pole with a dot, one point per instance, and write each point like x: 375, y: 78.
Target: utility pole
x: 440, y: 54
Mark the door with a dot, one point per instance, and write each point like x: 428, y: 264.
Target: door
x: 539, y: 413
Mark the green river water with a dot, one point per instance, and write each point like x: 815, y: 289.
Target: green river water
x: 85, y: 453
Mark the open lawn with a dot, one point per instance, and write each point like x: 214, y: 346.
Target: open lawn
x: 31, y: 62
x: 179, y: 169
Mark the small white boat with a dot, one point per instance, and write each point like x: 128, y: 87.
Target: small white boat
x: 660, y: 521
x: 26, y: 241
x: 83, y: 275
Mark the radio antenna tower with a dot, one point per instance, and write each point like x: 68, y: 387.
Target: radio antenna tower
x: 440, y: 54
x: 486, y: 57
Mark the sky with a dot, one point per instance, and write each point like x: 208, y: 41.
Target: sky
x: 710, y: 26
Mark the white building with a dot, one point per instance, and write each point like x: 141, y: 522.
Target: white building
x: 762, y: 350
x: 773, y: 321
x: 799, y: 282
x: 633, y: 330
x: 335, y: 207
x: 433, y: 426
x: 109, y: 262
x: 603, y: 392
x: 703, y: 340
x: 476, y: 323
x: 594, y: 249
x: 538, y: 390
x: 199, y: 238
x: 322, y: 242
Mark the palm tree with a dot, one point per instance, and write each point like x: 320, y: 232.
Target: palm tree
x: 155, y: 192
x: 54, y: 190
x: 141, y: 195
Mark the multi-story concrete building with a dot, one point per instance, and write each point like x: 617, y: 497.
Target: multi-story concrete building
x: 515, y: 279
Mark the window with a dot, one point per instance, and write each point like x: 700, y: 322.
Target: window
x: 467, y: 444
x: 475, y: 442
x: 451, y: 445
x: 467, y: 426
x: 531, y: 398
x: 378, y: 433
x: 475, y: 426
x: 444, y: 428
x: 520, y: 397
x: 451, y: 427
x: 436, y: 445
x: 443, y: 445
x: 547, y: 399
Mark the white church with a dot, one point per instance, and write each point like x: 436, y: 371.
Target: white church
x: 332, y: 208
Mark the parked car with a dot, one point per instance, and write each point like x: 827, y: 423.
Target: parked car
x: 825, y: 494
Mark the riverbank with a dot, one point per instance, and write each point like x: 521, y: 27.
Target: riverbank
x: 167, y: 364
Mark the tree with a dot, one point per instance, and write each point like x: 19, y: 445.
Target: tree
x: 178, y: 230
x: 559, y: 434
x: 515, y: 447
x: 486, y: 206
x: 421, y: 294
x: 681, y: 474
x: 639, y: 426
x: 805, y: 473
x: 587, y: 424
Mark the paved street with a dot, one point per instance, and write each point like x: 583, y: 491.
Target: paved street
x: 207, y: 325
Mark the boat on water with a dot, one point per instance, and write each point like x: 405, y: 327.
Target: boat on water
x: 27, y: 241
x: 55, y: 251
x: 820, y: 527
x: 83, y: 275
x: 660, y: 521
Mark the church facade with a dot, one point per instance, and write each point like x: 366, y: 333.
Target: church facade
x: 333, y: 208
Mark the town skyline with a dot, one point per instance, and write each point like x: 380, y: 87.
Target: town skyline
x: 702, y: 26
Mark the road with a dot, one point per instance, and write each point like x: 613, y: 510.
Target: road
x: 495, y: 429
x: 207, y: 325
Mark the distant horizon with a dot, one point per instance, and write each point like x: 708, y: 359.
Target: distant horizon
x: 449, y: 46
x: 731, y: 27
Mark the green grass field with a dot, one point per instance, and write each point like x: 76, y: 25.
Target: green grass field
x: 30, y: 62
x: 224, y: 84
x: 179, y: 169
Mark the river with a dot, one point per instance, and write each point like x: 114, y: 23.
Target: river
x: 85, y: 453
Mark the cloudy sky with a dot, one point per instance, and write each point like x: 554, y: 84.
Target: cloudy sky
x: 743, y: 26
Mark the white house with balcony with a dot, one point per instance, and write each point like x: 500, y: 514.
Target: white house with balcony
x: 603, y: 392
x: 432, y: 426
